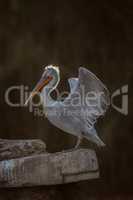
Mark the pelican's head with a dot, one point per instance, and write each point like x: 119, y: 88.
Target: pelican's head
x: 50, y: 78
x: 54, y: 73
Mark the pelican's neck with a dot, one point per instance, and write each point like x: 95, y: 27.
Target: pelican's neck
x: 45, y: 94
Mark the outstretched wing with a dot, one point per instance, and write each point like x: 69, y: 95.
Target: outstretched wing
x: 92, y: 86
x: 89, y: 98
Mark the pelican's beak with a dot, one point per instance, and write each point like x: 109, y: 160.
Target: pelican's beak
x: 40, y: 85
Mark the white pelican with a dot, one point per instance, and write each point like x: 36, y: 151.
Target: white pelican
x: 88, y: 99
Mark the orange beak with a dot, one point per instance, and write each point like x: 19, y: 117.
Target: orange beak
x: 40, y: 85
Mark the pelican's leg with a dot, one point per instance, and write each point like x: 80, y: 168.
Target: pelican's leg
x: 76, y: 146
x: 78, y: 142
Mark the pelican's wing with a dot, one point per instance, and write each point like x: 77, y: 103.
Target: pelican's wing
x: 90, y: 84
x: 89, y: 100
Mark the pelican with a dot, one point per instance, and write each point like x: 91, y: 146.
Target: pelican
x: 78, y: 112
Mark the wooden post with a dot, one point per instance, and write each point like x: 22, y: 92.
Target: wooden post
x: 49, y: 168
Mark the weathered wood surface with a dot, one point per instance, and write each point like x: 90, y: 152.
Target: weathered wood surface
x: 49, y: 169
x: 20, y: 148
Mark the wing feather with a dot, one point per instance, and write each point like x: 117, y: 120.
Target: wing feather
x: 73, y: 84
x: 89, y: 98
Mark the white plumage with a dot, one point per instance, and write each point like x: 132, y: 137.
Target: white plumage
x: 87, y: 101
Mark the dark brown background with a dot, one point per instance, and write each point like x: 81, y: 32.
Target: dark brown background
x: 95, y: 34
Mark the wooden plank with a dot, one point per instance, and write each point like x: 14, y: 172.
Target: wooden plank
x: 49, y: 169
x: 20, y: 148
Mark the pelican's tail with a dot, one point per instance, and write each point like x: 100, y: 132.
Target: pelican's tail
x: 92, y: 136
